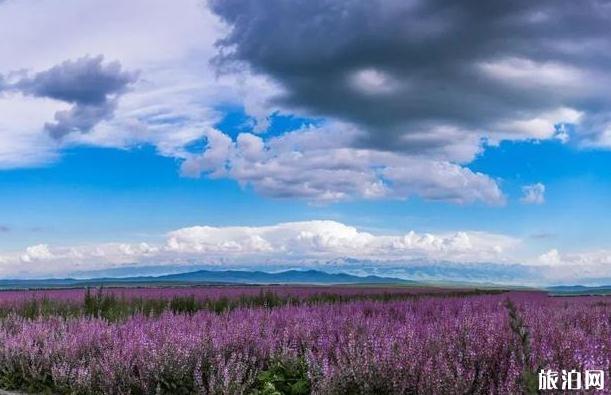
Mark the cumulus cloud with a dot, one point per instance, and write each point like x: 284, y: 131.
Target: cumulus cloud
x: 326, y: 245
x: 395, y: 68
x: 91, y: 87
x: 554, y: 257
x: 533, y: 194
x: 45, y: 259
x: 37, y: 253
x: 330, y: 239
x: 575, y: 265
x: 317, y: 163
x: 301, y: 243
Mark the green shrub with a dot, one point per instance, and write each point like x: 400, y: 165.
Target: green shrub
x: 184, y: 304
x: 284, y: 376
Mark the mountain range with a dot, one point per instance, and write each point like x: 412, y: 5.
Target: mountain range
x: 209, y: 277
x: 229, y: 277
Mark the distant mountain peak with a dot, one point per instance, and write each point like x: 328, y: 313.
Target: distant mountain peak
x: 204, y: 276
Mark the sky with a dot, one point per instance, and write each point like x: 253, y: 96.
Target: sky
x: 427, y: 140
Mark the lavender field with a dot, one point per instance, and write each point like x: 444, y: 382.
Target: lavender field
x: 403, y: 342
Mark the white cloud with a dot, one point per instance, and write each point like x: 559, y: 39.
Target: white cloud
x: 36, y: 253
x: 551, y: 257
x: 555, y: 258
x: 175, y: 99
x: 310, y: 240
x: 22, y: 142
x: 323, y: 244
x: 533, y: 194
x: 44, y: 259
x: 372, y: 81
x: 300, y: 243
x: 314, y: 163
x: 542, y: 126
x: 529, y: 73
x: 571, y: 266
x: 138, y: 33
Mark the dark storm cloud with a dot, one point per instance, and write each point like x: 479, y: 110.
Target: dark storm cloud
x: 91, y: 86
x: 397, y: 67
x: 80, y: 118
x: 84, y: 81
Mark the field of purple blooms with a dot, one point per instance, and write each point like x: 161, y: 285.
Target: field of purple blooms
x: 430, y: 345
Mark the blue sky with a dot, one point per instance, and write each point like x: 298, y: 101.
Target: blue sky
x: 81, y: 198
x: 125, y: 147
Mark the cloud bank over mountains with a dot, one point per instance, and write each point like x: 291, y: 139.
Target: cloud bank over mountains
x: 298, y: 242
x: 325, y: 245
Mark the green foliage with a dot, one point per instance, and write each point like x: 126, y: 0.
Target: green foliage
x: 184, y: 304
x: 21, y: 376
x: 219, y: 305
x: 284, y: 376
x: 105, y: 304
